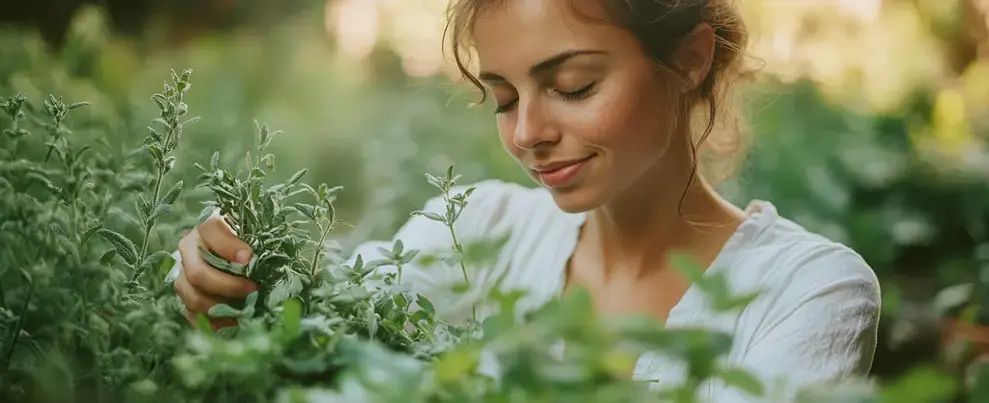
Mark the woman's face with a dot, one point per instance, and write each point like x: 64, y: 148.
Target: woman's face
x: 580, y: 105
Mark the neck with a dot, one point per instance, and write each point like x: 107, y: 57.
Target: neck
x: 638, y: 230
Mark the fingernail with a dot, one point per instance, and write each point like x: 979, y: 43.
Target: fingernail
x: 243, y: 256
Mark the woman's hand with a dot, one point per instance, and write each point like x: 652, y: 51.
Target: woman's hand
x: 199, y: 285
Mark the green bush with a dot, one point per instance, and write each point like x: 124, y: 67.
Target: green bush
x: 87, y: 315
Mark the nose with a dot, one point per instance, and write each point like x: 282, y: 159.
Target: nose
x: 533, y: 127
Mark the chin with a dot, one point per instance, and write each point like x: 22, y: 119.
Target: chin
x: 576, y: 199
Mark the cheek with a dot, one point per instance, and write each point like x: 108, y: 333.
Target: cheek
x: 626, y: 120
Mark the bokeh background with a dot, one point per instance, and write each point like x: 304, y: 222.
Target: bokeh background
x: 870, y: 121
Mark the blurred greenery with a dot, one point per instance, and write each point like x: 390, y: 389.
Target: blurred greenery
x: 884, y: 151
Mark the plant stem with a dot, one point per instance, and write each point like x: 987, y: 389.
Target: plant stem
x: 459, y: 249
x: 147, y: 230
x: 319, y: 251
x: 463, y: 268
x: 20, y: 319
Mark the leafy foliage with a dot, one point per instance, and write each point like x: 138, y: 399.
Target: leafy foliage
x: 85, y: 314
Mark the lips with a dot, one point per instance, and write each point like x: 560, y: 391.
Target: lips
x: 560, y: 173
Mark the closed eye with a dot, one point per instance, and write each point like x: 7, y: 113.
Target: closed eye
x: 505, y: 107
x: 579, y: 94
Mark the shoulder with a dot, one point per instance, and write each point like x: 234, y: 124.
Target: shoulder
x: 794, y: 270
x: 780, y: 252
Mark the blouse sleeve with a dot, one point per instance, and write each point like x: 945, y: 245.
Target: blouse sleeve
x: 486, y: 213
x: 824, y: 331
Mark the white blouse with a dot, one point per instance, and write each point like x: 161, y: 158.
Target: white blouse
x: 815, y: 319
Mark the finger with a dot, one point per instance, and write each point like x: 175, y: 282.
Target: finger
x: 192, y: 299
x: 207, y: 279
x: 219, y: 238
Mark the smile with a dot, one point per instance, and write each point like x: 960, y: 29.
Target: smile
x: 560, y: 174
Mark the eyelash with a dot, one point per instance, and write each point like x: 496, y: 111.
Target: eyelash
x: 567, y: 96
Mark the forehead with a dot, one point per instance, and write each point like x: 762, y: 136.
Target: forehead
x: 514, y: 34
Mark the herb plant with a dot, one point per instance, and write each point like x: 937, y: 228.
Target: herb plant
x: 85, y: 314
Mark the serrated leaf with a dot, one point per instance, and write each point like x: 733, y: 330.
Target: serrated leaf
x: 285, y: 288
x: 125, y: 248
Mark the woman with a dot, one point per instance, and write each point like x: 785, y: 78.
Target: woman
x: 614, y: 107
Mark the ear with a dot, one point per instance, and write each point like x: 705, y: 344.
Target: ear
x: 696, y: 54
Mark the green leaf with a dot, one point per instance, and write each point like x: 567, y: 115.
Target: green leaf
x: 296, y: 177
x: 205, y: 214
x: 157, y: 260
x: 292, y: 316
x: 108, y: 256
x: 432, y: 216
x: 90, y: 232
x: 125, y: 248
x: 740, y: 379
x: 155, y: 151
x: 425, y: 304
x: 252, y: 298
x: 213, y: 259
x: 401, y: 300
x: 202, y: 323
x: 224, y: 311
x: 457, y: 364
x: 307, y: 210
x: 172, y: 193
x: 285, y: 288
x: 408, y: 257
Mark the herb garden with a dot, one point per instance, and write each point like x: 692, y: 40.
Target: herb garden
x: 88, y: 315
x: 102, y: 173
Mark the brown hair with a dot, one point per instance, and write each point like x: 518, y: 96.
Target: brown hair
x: 659, y: 26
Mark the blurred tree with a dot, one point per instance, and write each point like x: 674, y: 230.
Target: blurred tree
x: 181, y: 19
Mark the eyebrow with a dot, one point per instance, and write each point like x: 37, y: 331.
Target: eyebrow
x: 544, y: 66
